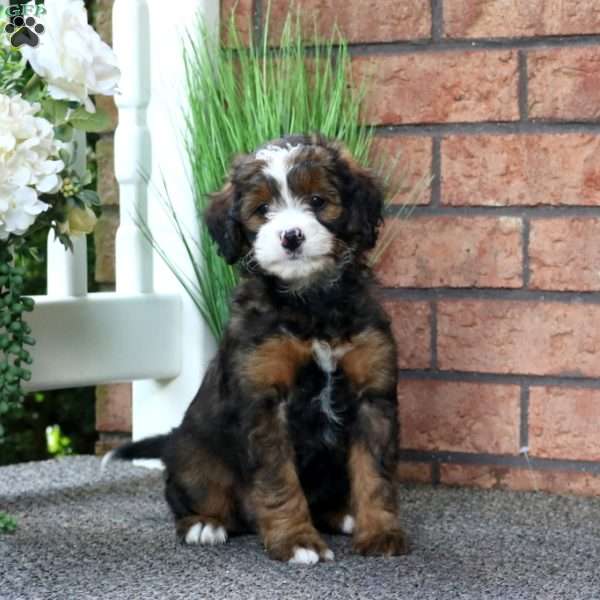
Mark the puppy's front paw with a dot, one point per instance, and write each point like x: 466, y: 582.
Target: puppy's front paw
x: 384, y: 543
x: 206, y: 534
x: 308, y: 556
x: 306, y: 549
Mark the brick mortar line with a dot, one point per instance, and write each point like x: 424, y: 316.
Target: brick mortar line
x: 500, y: 378
x: 257, y: 21
x: 539, y: 211
x: 524, y: 417
x: 113, y: 436
x: 433, y: 335
x: 110, y: 210
x: 466, y: 458
x: 530, y: 127
x: 523, y: 87
x: 513, y: 294
x: 432, y: 45
x: 525, y: 249
x: 435, y: 188
x: 437, y: 21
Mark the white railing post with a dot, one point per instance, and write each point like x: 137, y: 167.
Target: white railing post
x: 131, y: 35
x: 66, y: 271
x: 158, y: 405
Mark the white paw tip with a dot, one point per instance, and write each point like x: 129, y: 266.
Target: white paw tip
x: 328, y: 555
x: 304, y: 556
x: 348, y: 524
x: 193, y: 534
x: 213, y: 535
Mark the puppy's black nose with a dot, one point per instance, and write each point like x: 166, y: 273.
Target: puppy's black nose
x: 291, y: 239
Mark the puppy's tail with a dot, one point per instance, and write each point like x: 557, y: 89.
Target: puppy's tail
x: 151, y: 447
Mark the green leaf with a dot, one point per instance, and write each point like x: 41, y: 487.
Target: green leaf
x: 57, y: 443
x: 65, y: 156
x: 86, y: 179
x: 89, y: 197
x: 55, y: 110
x: 33, y: 89
x: 64, y: 133
x: 90, y: 122
x: 35, y: 254
x: 8, y: 524
x: 29, y: 302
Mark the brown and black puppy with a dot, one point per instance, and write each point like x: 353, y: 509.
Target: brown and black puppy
x: 294, y: 427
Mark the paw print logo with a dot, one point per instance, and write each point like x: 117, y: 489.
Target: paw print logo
x: 24, y: 31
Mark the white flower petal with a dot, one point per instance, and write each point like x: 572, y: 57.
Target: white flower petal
x: 7, y: 142
x: 72, y: 57
x: 28, y: 164
x: 48, y: 184
x: 23, y: 208
x: 22, y: 175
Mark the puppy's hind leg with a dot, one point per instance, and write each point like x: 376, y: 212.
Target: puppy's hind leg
x: 202, y: 499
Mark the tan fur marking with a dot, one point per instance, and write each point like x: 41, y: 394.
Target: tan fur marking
x: 210, y: 485
x: 330, y: 211
x: 259, y: 195
x: 308, y: 180
x: 277, y: 500
x: 377, y: 529
x: 276, y: 361
x: 373, y: 509
x: 282, y: 515
x: 370, y: 362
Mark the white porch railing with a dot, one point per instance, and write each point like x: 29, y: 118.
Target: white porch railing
x: 147, y: 331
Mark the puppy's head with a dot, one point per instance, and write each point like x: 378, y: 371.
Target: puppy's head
x: 297, y: 207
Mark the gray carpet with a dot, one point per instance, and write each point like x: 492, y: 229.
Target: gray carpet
x: 83, y: 535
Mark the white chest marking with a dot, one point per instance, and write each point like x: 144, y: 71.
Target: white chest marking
x: 327, y: 358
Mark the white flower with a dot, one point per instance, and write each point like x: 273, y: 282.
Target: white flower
x: 27, y: 164
x: 27, y: 146
x: 71, y: 57
x: 19, y: 207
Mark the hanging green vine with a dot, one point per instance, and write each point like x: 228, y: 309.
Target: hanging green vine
x: 15, y: 333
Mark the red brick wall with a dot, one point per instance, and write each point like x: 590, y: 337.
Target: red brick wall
x: 494, y: 282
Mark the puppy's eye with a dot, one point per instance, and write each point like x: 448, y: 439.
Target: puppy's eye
x: 262, y: 210
x: 316, y: 201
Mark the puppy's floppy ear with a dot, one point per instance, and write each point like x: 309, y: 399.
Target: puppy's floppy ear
x: 222, y: 225
x: 364, y: 195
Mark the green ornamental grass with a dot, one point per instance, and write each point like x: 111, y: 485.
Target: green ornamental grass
x: 240, y: 96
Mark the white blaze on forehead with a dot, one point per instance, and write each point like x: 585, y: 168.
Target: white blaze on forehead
x: 312, y: 255
x: 279, y: 162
